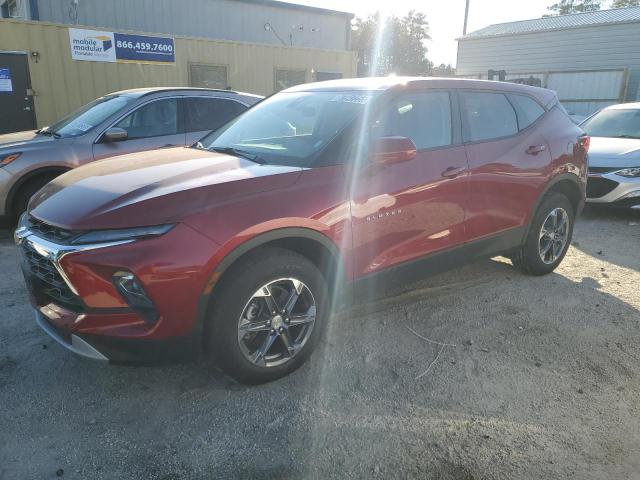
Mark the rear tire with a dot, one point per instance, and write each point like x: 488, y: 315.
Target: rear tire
x: 242, y: 321
x: 548, y: 240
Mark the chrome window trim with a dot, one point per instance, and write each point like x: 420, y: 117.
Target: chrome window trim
x: 155, y: 99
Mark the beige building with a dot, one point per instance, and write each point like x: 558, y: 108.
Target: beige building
x: 55, y: 84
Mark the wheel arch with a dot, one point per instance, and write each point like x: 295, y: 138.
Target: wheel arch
x: 314, y: 245
x: 569, y: 185
x: 26, y: 178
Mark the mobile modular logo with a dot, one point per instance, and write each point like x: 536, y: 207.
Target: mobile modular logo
x: 92, y: 45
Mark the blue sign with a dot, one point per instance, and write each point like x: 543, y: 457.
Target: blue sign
x: 5, y: 80
x: 142, y: 48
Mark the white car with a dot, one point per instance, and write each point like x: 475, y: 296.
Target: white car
x: 614, y: 156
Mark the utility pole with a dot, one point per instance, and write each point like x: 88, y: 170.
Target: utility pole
x: 466, y: 17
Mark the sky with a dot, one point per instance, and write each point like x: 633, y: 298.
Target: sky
x: 445, y: 17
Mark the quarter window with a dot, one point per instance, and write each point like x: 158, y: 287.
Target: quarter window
x: 208, y: 114
x: 154, y: 119
x: 488, y: 115
x: 425, y: 118
x: 527, y: 109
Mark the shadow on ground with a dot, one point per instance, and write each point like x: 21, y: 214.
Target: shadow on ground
x: 541, y: 381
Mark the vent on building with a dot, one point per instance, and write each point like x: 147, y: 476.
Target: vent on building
x: 323, y: 76
x: 12, y: 9
x: 209, y: 76
x: 289, y: 78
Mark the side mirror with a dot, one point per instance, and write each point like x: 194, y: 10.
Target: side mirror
x: 389, y: 150
x: 115, y: 134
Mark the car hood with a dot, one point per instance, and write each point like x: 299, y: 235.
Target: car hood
x: 614, y: 152
x: 20, y: 140
x: 152, y: 188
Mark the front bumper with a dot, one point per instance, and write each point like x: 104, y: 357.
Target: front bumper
x: 78, y: 305
x: 71, y: 342
x: 613, y: 190
x: 122, y: 350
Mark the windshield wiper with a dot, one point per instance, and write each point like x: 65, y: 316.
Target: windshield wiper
x: 240, y: 153
x: 626, y: 136
x: 47, y: 131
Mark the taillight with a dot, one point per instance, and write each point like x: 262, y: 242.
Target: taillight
x: 585, y: 142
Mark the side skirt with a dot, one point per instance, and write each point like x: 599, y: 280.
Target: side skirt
x: 377, y: 283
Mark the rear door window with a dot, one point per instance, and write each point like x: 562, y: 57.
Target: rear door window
x: 527, y: 110
x: 488, y: 115
x: 208, y: 114
x: 424, y: 117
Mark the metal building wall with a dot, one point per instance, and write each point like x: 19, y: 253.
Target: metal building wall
x: 62, y: 85
x: 236, y: 20
x: 584, y: 48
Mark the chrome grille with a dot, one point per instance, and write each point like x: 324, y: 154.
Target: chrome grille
x: 46, y: 283
x: 50, y: 232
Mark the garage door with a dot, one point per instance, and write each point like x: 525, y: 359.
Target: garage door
x: 581, y: 92
x: 584, y: 93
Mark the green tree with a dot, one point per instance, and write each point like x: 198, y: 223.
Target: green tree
x: 393, y: 45
x: 564, y: 7
x: 443, y: 70
x: 625, y: 3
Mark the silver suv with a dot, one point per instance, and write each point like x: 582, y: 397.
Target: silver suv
x: 116, y: 124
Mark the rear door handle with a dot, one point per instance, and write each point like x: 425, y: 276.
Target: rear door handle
x: 535, y: 149
x: 453, y: 172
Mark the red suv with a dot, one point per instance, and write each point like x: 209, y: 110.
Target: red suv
x: 241, y: 245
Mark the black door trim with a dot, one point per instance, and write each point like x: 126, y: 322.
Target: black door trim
x: 414, y: 270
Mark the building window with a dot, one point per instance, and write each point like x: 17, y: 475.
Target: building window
x: 12, y: 9
x: 209, y: 76
x: 323, y: 76
x: 289, y: 78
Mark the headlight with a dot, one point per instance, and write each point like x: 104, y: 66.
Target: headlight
x: 107, y: 236
x: 7, y: 159
x: 629, y: 172
x: 22, y: 228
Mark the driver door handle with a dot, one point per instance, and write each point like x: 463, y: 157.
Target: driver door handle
x: 453, y: 172
x: 535, y: 149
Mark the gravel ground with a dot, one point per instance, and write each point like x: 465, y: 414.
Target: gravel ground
x: 541, y: 382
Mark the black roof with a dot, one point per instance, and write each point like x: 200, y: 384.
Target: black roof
x: 140, y: 92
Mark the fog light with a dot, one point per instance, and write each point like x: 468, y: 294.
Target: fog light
x: 129, y: 287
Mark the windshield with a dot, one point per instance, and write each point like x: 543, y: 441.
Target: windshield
x: 90, y: 116
x: 616, y: 123
x: 290, y: 128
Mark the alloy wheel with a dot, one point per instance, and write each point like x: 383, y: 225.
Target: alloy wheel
x: 553, y: 235
x: 276, y: 322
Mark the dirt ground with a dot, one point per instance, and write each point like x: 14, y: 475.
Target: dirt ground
x: 541, y: 380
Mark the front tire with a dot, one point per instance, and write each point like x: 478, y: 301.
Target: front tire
x: 27, y: 191
x: 268, y: 316
x: 549, y: 236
